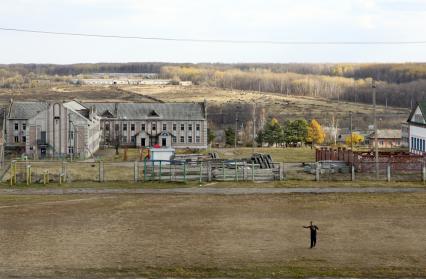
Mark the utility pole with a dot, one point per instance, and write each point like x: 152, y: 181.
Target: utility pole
x: 254, y: 125
x: 350, y: 128
x: 376, y: 136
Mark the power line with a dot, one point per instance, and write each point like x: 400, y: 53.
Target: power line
x: 197, y: 40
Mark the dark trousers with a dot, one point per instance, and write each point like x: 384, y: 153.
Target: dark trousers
x: 313, y: 241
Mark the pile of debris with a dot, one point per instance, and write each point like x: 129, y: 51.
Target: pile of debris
x: 263, y: 160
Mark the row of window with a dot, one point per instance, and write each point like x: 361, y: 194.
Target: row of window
x: 418, y: 144
x: 182, y: 139
x: 24, y: 126
x: 154, y: 127
x: 174, y: 139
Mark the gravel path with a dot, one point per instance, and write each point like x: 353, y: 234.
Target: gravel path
x: 210, y: 190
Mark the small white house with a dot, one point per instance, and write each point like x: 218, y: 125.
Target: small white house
x: 417, y: 129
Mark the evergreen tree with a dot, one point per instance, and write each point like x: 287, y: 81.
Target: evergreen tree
x: 229, y: 136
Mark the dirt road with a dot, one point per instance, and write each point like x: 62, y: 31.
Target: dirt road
x: 208, y: 190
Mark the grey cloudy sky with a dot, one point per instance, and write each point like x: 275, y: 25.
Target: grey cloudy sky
x: 279, y: 20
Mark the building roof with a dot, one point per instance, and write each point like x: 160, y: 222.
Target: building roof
x: 387, y: 134
x: 26, y: 110
x: 422, y: 106
x: 166, y: 111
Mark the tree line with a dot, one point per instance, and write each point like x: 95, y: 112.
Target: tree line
x: 397, y: 84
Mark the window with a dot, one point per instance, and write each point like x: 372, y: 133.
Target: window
x: 133, y: 139
x: 182, y: 139
x: 197, y: 139
x: 124, y: 127
x: 154, y: 126
x: 189, y: 139
x: 107, y: 127
x: 132, y: 127
x: 124, y: 139
x: 16, y: 126
x: 70, y: 149
x: 143, y: 127
x: 189, y: 127
x: 164, y: 127
x: 16, y: 139
x: 24, y: 139
x: 197, y: 127
x: 174, y: 127
x: 182, y: 127
x: 174, y: 139
x: 24, y: 126
x: 71, y: 134
x: 117, y: 127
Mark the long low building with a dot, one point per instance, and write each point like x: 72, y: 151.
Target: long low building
x: 53, y: 129
x: 178, y: 125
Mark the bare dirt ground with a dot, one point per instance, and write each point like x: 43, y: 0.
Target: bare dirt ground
x: 212, y: 235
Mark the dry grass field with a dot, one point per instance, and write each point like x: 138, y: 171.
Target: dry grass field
x: 281, y: 106
x: 98, y: 236
x: 69, y: 92
x: 288, y: 107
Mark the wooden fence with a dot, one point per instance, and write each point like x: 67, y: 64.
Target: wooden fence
x: 63, y: 171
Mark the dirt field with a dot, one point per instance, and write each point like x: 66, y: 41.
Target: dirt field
x: 212, y: 235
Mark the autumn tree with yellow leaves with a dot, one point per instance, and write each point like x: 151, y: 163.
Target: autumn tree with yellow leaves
x: 316, y: 134
x: 356, y: 139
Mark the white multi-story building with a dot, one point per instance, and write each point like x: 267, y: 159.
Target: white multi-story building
x: 417, y: 129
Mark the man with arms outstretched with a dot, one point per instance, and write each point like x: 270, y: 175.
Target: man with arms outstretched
x: 314, y: 230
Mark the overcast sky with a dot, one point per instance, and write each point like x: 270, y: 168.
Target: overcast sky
x: 278, y: 20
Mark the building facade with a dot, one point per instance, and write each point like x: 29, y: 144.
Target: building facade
x: 417, y: 129
x: 387, y: 138
x: 52, y: 129
x: 177, y: 125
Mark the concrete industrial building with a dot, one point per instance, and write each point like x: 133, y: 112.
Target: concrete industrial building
x: 55, y: 129
x: 177, y: 125
x: 52, y: 129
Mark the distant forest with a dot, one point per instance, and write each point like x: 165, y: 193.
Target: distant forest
x: 400, y: 85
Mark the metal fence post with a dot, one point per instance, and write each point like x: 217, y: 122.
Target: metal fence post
x: 317, y: 172
x: 64, y: 170
x: 223, y: 171
x: 136, y: 171
x: 388, y: 172
x: 159, y: 172
x: 201, y: 171
x: 184, y: 171
x: 281, y: 171
x: 244, y: 171
x: 28, y: 174
x: 144, y: 169
x: 209, y: 171
x: 170, y: 171
x: 353, y: 173
x: 152, y: 171
x: 236, y: 171
x: 252, y: 171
